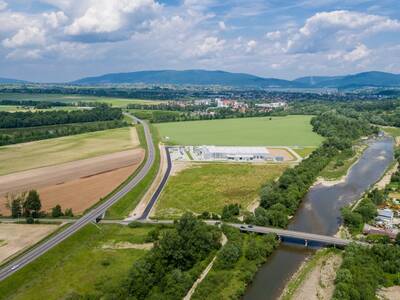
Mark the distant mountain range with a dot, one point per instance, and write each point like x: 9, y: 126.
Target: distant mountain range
x: 203, y: 77
x: 11, y: 81
x: 241, y: 80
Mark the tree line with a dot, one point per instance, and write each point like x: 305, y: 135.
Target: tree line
x: 22, y: 135
x: 28, y: 205
x: 34, y: 119
x: 281, y: 199
x: 35, y: 104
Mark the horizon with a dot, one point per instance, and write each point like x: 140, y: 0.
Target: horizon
x: 61, y: 41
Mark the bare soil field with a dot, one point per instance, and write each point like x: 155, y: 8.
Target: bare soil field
x: 76, y: 185
x: 18, y: 237
x: 391, y: 293
x: 38, y: 154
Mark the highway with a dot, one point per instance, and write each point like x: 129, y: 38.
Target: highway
x: 39, y: 250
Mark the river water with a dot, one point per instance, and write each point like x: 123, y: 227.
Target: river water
x: 320, y: 213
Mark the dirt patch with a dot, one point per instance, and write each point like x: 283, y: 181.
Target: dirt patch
x: 391, y: 293
x: 19, y: 237
x: 76, y: 185
x: 253, y: 205
x: 287, y: 156
x: 179, y: 166
x: 319, y: 284
x: 127, y: 245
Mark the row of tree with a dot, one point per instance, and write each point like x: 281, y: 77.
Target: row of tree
x: 33, y: 119
x: 28, y: 205
x: 22, y: 135
x: 35, y: 104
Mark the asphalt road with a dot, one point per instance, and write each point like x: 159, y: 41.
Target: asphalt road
x: 87, y: 218
x: 160, y: 187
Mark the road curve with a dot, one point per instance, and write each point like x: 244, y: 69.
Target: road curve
x: 37, y: 251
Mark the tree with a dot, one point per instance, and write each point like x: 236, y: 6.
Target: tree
x: 68, y: 212
x: 398, y: 239
x: 32, y: 204
x: 56, y: 211
x: 16, y: 208
x: 229, y: 255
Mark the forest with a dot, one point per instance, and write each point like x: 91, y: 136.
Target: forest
x: 364, y: 269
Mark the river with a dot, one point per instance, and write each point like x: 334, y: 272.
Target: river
x: 320, y: 213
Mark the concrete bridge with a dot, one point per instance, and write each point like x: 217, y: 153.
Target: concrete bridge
x: 305, y: 237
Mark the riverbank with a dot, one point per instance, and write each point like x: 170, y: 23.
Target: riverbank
x: 332, y: 175
x: 315, y: 278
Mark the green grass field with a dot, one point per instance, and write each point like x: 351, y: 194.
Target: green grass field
x: 36, y: 154
x: 393, y: 131
x: 209, y: 187
x: 279, y: 131
x: 121, y: 102
x: 80, y: 264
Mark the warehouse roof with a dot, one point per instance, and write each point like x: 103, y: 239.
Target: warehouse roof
x: 236, y: 150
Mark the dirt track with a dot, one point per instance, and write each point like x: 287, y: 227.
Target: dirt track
x: 76, y: 185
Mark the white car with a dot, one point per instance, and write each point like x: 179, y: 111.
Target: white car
x: 14, y: 267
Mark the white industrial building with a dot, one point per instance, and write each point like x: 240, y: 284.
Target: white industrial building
x: 232, y: 153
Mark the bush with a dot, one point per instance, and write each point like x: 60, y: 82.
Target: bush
x: 56, y: 211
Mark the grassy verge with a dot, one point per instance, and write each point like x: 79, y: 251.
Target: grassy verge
x: 230, y: 282
x: 80, y: 264
x: 304, y: 152
x: 127, y: 203
x: 305, y: 270
x: 209, y: 187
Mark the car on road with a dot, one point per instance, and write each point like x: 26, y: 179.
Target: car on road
x: 14, y: 267
x: 242, y: 227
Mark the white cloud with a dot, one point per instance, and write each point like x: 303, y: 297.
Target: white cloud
x: 26, y: 37
x: 222, y: 25
x: 3, y: 5
x: 107, y: 16
x: 361, y: 51
x: 337, y: 29
x: 251, y: 45
x: 55, y: 19
x: 210, y: 45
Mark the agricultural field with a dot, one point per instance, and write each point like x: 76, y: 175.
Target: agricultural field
x: 55, y: 151
x: 18, y: 237
x: 119, y: 102
x: 209, y: 187
x: 275, y: 131
x: 93, y: 259
x: 304, y: 151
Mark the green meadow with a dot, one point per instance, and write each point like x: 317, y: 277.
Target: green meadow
x: 275, y: 131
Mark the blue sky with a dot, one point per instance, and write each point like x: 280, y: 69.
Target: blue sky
x: 62, y: 40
